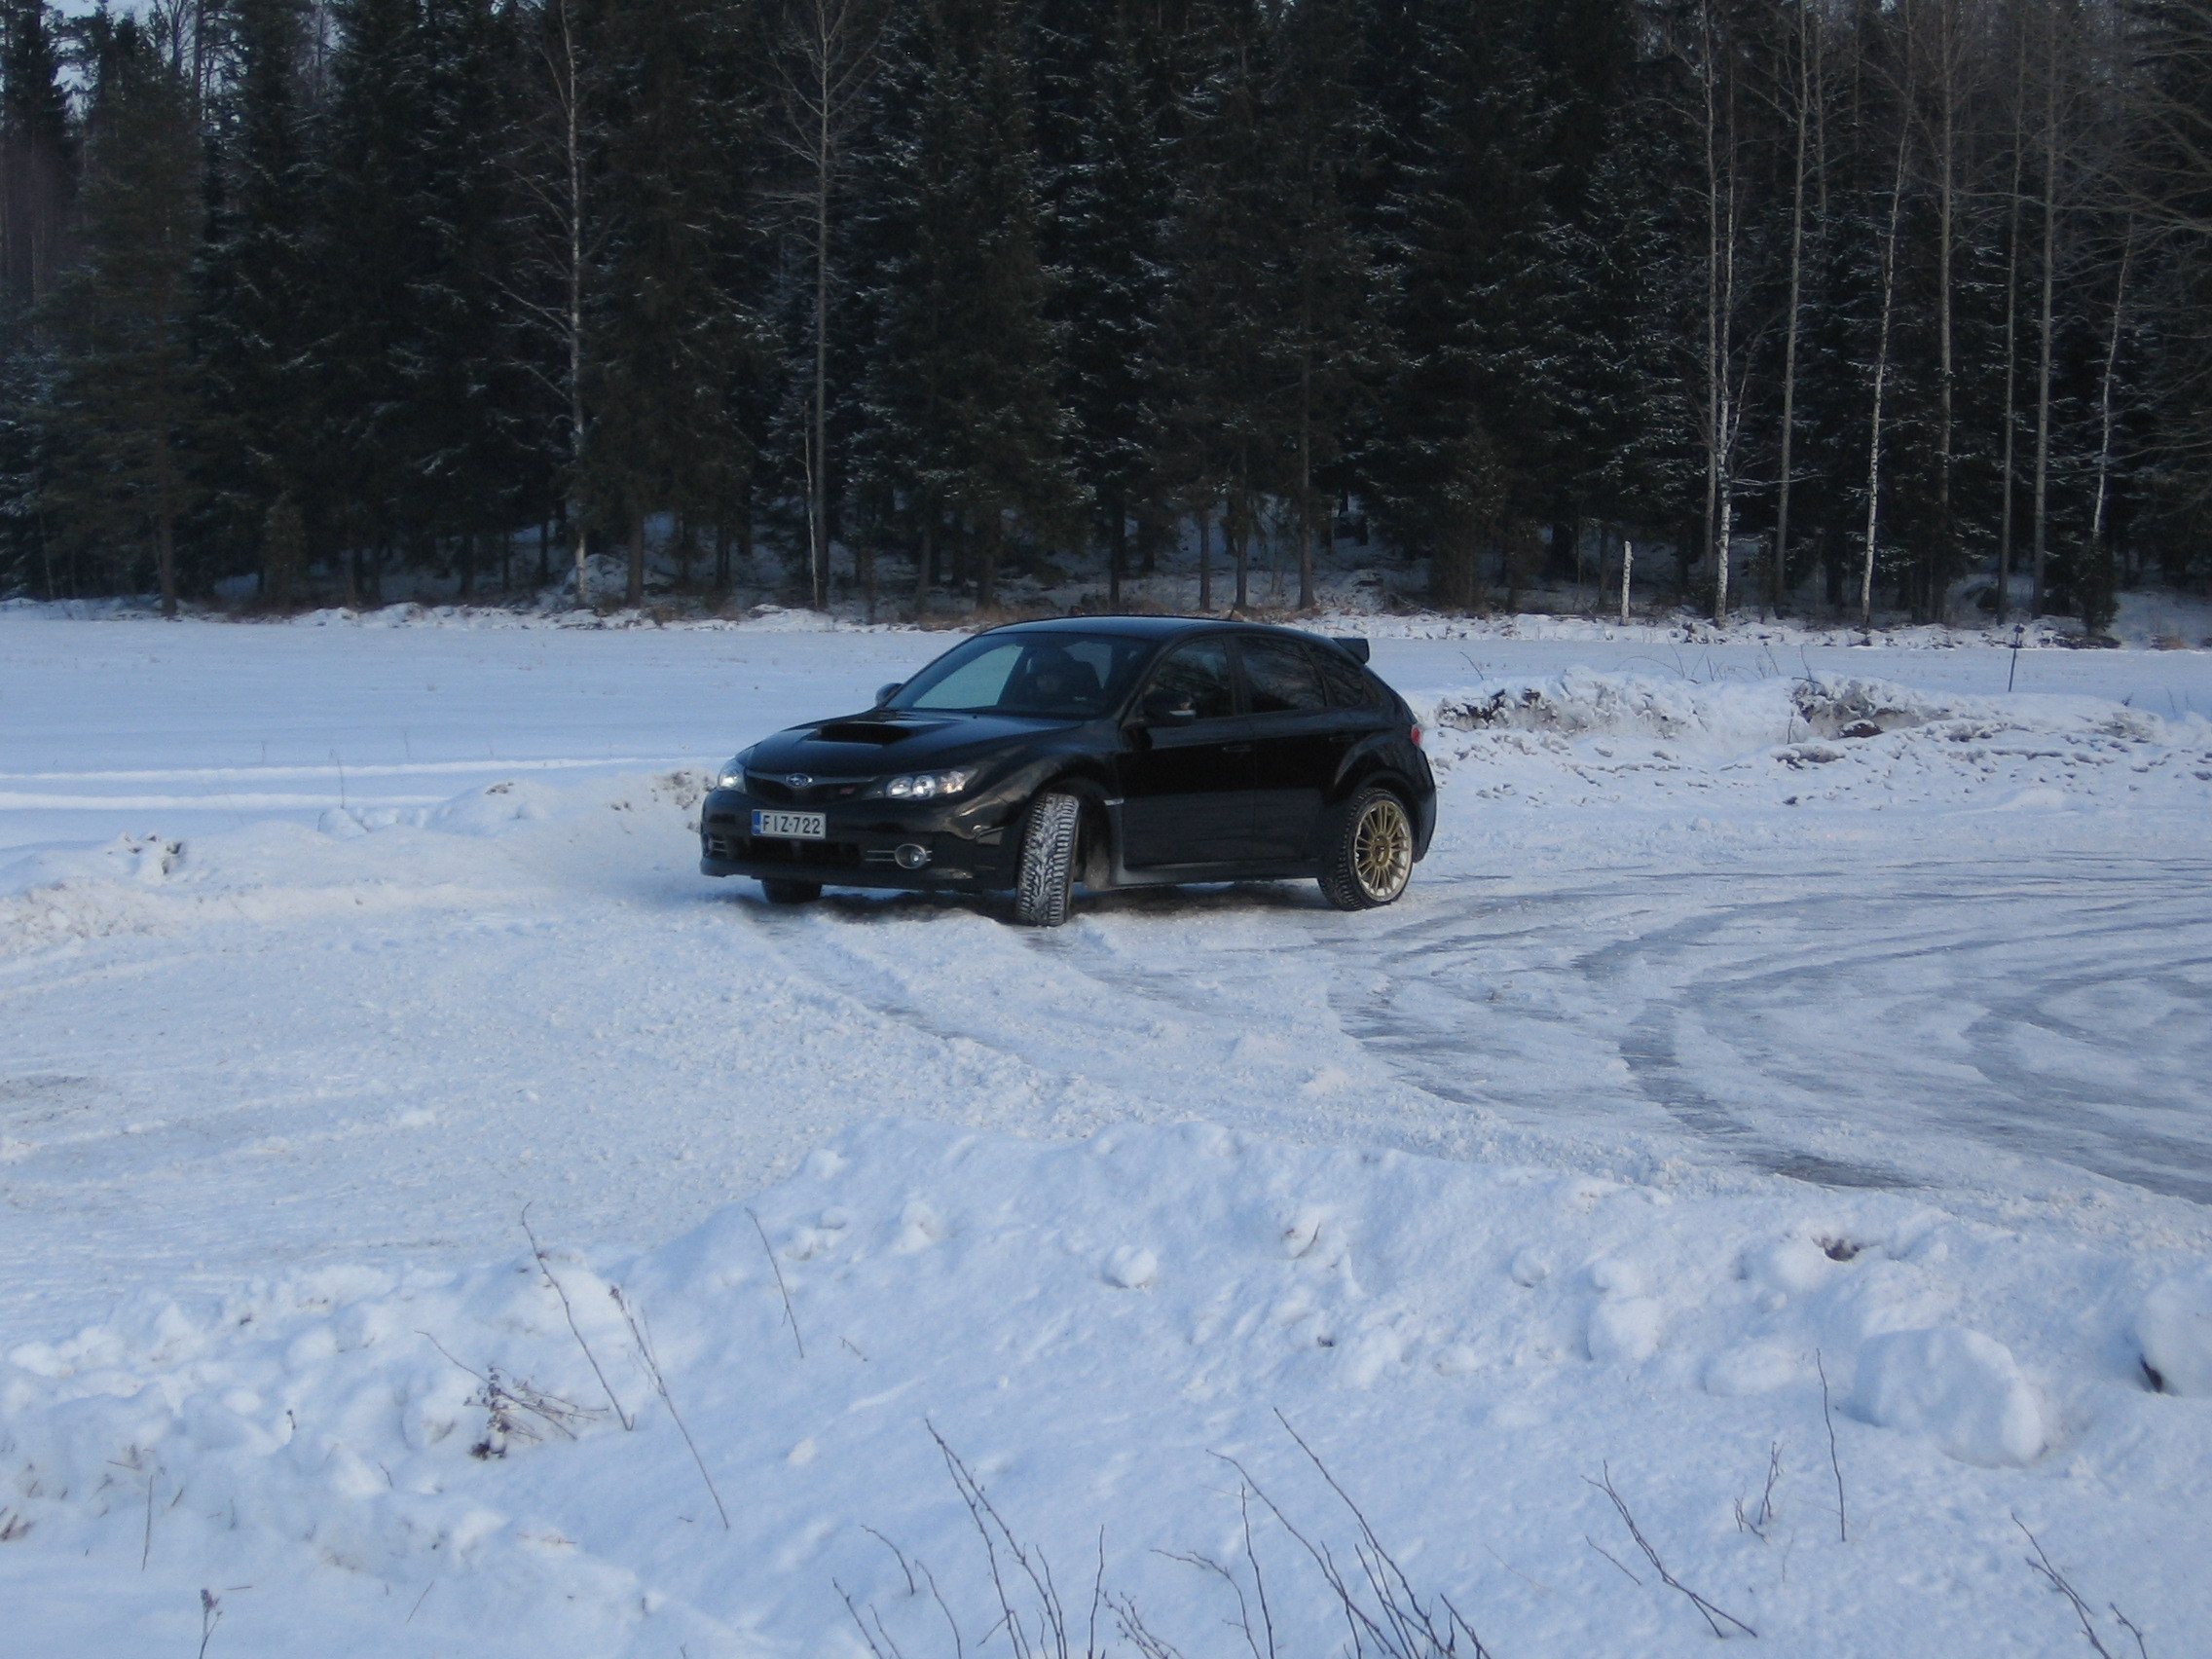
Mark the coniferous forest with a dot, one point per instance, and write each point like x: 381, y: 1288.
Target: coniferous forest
x: 1824, y: 306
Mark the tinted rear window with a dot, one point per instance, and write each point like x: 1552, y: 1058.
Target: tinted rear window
x: 1281, y: 677
x: 1350, y: 686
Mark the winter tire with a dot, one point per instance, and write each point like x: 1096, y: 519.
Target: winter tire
x: 1370, y: 855
x: 1048, y: 861
x: 790, y: 892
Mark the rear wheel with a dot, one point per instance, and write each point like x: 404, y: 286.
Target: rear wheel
x: 1369, y: 854
x: 1047, y: 881
x: 780, y: 892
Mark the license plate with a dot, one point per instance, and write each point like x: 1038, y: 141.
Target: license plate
x: 792, y: 825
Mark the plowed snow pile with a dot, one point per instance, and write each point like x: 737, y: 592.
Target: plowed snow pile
x: 1817, y: 741
x: 1103, y: 1336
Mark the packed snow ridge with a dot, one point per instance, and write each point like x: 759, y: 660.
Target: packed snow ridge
x: 546, y: 1447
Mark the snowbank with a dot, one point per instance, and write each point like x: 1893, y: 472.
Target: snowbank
x: 1092, y: 1329
x: 1823, y: 740
x: 2152, y: 619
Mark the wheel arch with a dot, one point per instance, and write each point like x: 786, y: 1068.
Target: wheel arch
x: 1375, y: 767
x: 1096, y: 854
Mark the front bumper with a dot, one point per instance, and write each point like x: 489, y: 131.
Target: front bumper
x: 971, y: 847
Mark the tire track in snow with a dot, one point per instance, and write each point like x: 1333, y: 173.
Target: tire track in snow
x: 1797, y: 1012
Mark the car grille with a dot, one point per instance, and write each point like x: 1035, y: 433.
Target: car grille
x: 767, y: 787
x: 816, y: 854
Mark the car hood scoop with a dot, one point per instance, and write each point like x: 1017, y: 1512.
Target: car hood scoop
x: 880, y: 734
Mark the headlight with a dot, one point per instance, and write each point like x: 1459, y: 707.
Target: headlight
x: 732, y: 774
x: 927, y: 785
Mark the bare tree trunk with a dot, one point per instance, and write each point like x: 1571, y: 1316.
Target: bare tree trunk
x: 817, y: 446
x: 164, y: 521
x: 1205, y: 556
x: 1239, y: 527
x: 2045, y: 327
x: 1881, y: 379
x: 1117, y: 548
x: 2012, y: 335
x: 830, y: 52
x: 1809, y: 38
x: 2105, y: 415
x: 1722, y: 186
x: 1628, y: 565
x: 1306, y: 482
x: 568, y: 88
x: 924, y: 558
x: 1950, y: 68
x: 165, y: 474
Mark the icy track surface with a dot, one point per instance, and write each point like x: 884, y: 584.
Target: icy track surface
x: 1766, y: 1007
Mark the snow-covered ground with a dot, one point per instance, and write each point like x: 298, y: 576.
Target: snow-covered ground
x: 1771, y: 1006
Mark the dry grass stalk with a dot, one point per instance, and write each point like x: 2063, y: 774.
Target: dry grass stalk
x: 1714, y: 1617
x: 2042, y: 1564
x: 1757, y: 1521
x: 545, y: 1267
x: 518, y: 1410
x: 1390, y: 1619
x: 783, y: 1289
x: 1835, y: 1462
x: 636, y: 1319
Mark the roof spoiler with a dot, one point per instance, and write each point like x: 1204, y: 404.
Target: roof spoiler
x: 1356, y: 650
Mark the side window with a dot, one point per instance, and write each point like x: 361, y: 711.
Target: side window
x: 1282, y: 676
x: 1114, y: 661
x: 1199, y: 673
x: 1348, y: 685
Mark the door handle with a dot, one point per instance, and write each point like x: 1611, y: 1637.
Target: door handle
x: 1237, y: 749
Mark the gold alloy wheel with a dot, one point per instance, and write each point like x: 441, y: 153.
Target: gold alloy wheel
x: 1383, y: 849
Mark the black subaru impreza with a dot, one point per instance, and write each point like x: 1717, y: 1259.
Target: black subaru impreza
x: 1109, y: 751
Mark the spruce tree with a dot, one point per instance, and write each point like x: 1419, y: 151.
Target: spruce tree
x: 1454, y: 457
x: 475, y: 447
x: 667, y: 334
x: 1230, y: 419
x: 257, y: 317
x: 372, y: 251
x: 1112, y: 304
x: 124, y: 407
x: 963, y: 400
x: 37, y: 161
x: 1610, y: 329
x: 1327, y: 348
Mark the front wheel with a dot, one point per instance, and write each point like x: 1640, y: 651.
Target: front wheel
x: 1047, y: 881
x: 1370, y: 855
x: 778, y: 892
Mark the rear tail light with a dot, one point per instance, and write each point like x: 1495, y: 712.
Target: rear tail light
x: 1414, y: 734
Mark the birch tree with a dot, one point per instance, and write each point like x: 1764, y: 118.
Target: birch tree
x: 829, y: 52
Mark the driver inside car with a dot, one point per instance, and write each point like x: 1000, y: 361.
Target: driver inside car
x: 1051, y: 681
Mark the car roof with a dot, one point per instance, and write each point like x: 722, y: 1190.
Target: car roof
x: 1140, y: 627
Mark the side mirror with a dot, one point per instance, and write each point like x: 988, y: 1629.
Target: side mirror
x: 1168, y: 705
x: 884, y: 693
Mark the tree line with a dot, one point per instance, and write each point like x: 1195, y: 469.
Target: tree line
x: 1831, y: 304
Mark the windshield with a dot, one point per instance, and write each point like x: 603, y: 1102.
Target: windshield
x: 1064, y: 676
